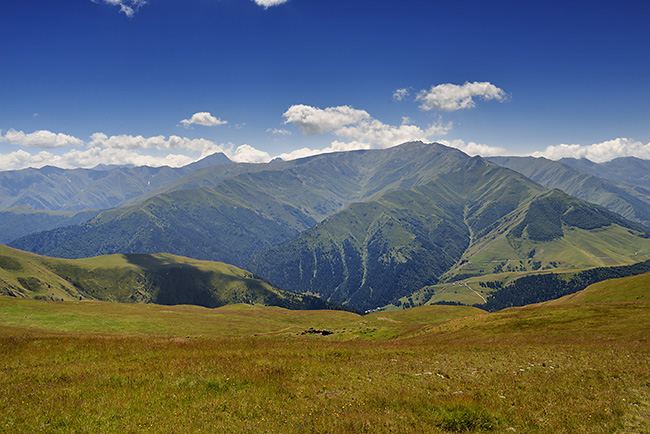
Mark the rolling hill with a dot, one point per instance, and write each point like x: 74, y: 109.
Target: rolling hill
x: 630, y: 289
x: 161, y: 279
x: 573, y: 368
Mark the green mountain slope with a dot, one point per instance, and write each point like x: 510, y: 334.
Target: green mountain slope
x: 202, y: 223
x: 372, y: 252
x: 364, y: 227
x: 630, y: 201
x: 555, y: 230
x: 161, y: 279
x: 350, y: 176
x: 250, y: 212
x: 467, y: 222
x: 19, y: 222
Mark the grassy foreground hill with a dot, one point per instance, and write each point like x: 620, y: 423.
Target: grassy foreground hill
x: 162, y: 279
x: 625, y: 289
x: 107, y: 367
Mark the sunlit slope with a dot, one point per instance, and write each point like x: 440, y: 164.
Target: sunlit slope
x: 247, y: 369
x: 163, y: 279
x: 626, y: 289
x: 555, y: 231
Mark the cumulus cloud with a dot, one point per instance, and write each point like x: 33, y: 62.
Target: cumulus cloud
x: 40, y: 139
x: 473, y: 148
x: 313, y: 120
x: 452, y: 97
x: 269, y: 3
x: 376, y: 134
x: 160, y: 143
x: 357, y: 126
x: 202, y: 118
x: 598, y: 152
x: 249, y: 154
x: 128, y: 7
x: 400, y: 94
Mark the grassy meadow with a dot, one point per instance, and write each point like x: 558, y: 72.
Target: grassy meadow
x: 107, y: 367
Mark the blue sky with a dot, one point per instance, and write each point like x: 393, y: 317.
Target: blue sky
x: 84, y: 82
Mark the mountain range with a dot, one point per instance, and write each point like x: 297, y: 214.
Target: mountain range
x: 34, y: 200
x: 366, y: 228
x: 628, y: 196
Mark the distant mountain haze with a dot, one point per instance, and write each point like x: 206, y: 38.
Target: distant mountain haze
x: 54, y: 189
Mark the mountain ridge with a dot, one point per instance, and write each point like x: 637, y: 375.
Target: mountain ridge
x: 161, y: 279
x: 629, y: 200
x: 55, y: 189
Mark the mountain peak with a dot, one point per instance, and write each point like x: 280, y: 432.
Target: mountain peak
x: 211, y: 160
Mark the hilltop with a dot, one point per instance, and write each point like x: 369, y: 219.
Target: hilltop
x: 141, y: 278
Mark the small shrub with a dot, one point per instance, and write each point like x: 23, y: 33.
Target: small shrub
x: 466, y: 419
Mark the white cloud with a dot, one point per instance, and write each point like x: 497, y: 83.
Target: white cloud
x: 400, y: 94
x: 376, y: 134
x: 269, y: 3
x: 279, y: 131
x: 202, y: 118
x: 40, y: 139
x: 160, y: 143
x: 357, y: 127
x: 452, y: 97
x: 88, y: 158
x: 129, y: 7
x: 313, y: 120
x: 598, y: 152
x: 248, y: 154
x: 473, y: 148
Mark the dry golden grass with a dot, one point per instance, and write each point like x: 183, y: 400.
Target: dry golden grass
x: 537, y: 370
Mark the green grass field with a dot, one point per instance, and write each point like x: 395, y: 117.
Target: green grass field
x: 107, y: 367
